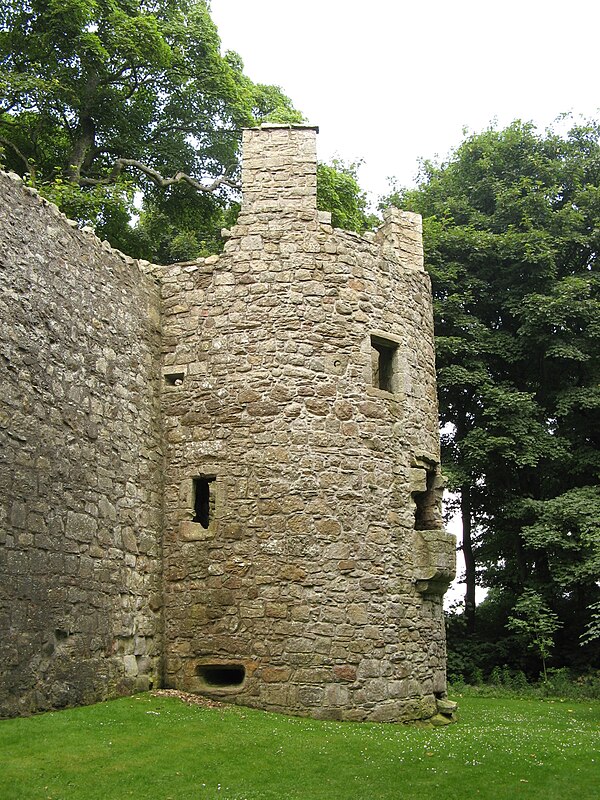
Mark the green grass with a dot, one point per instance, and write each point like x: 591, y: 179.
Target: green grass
x: 156, y: 747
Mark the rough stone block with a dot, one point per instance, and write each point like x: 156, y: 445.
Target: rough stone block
x: 310, y: 695
x: 276, y: 674
x: 130, y: 666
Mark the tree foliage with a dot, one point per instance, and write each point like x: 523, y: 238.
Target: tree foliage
x: 592, y: 630
x: 512, y: 236
x: 101, y: 100
x: 106, y: 103
x: 536, y: 624
x: 339, y: 192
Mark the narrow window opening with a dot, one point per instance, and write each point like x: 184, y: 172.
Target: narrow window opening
x: 383, y: 354
x: 427, y: 515
x: 174, y: 378
x: 204, y: 501
x: 221, y: 675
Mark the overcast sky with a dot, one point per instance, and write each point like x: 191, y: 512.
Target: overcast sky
x: 391, y: 82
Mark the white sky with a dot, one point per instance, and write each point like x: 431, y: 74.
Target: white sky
x: 391, y: 82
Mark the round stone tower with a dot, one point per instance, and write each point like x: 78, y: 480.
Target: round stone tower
x: 304, y: 555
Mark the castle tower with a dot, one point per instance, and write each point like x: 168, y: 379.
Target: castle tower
x: 304, y: 555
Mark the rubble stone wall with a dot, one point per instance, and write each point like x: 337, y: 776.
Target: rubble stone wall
x: 80, y: 458
x: 311, y: 580
x: 222, y: 475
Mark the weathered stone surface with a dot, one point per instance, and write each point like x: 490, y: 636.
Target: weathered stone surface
x: 434, y: 559
x: 267, y: 485
x: 80, y: 464
x: 438, y: 720
x: 276, y: 674
x: 345, y: 672
x: 325, y: 474
x: 445, y: 706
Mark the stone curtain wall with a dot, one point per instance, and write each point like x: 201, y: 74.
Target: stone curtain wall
x: 80, y: 458
x: 304, y: 556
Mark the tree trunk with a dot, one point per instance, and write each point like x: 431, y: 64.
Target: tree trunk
x: 522, y: 565
x: 467, y: 548
x: 86, y: 135
x: 85, y: 141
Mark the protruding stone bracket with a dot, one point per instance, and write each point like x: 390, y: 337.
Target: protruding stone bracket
x: 446, y: 712
x: 434, y: 560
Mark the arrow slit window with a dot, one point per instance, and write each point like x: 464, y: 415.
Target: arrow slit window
x: 384, y: 358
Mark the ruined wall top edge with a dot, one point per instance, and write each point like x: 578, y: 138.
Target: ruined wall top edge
x: 279, y: 183
x: 86, y: 232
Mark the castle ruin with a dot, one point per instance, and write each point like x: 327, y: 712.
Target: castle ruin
x: 222, y: 476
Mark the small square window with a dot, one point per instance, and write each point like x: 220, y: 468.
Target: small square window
x: 383, y: 362
x: 174, y: 378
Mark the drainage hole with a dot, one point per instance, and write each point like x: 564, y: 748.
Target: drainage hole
x: 222, y: 674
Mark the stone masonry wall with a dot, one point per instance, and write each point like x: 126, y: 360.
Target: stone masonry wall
x: 252, y: 513
x: 80, y: 458
x: 305, y: 559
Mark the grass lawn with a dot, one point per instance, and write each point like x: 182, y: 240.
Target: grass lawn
x: 157, y: 747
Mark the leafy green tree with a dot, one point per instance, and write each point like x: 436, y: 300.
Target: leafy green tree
x: 338, y: 191
x: 103, y: 100
x: 592, y: 631
x: 512, y: 236
x: 536, y: 624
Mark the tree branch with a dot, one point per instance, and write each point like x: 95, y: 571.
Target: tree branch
x: 9, y: 107
x: 135, y: 84
x: 157, y: 178
x: 114, y: 78
x: 29, y: 168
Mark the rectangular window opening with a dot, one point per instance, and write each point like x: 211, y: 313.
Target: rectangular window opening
x: 174, y: 378
x: 383, y: 352
x: 204, y: 501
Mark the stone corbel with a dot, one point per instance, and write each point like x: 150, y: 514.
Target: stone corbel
x: 434, y: 560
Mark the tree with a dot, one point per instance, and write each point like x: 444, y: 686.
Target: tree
x: 109, y: 101
x: 338, y: 191
x: 103, y: 99
x: 536, y: 624
x: 592, y: 630
x: 512, y: 236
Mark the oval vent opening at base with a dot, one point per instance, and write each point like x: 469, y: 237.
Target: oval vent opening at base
x: 222, y: 676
